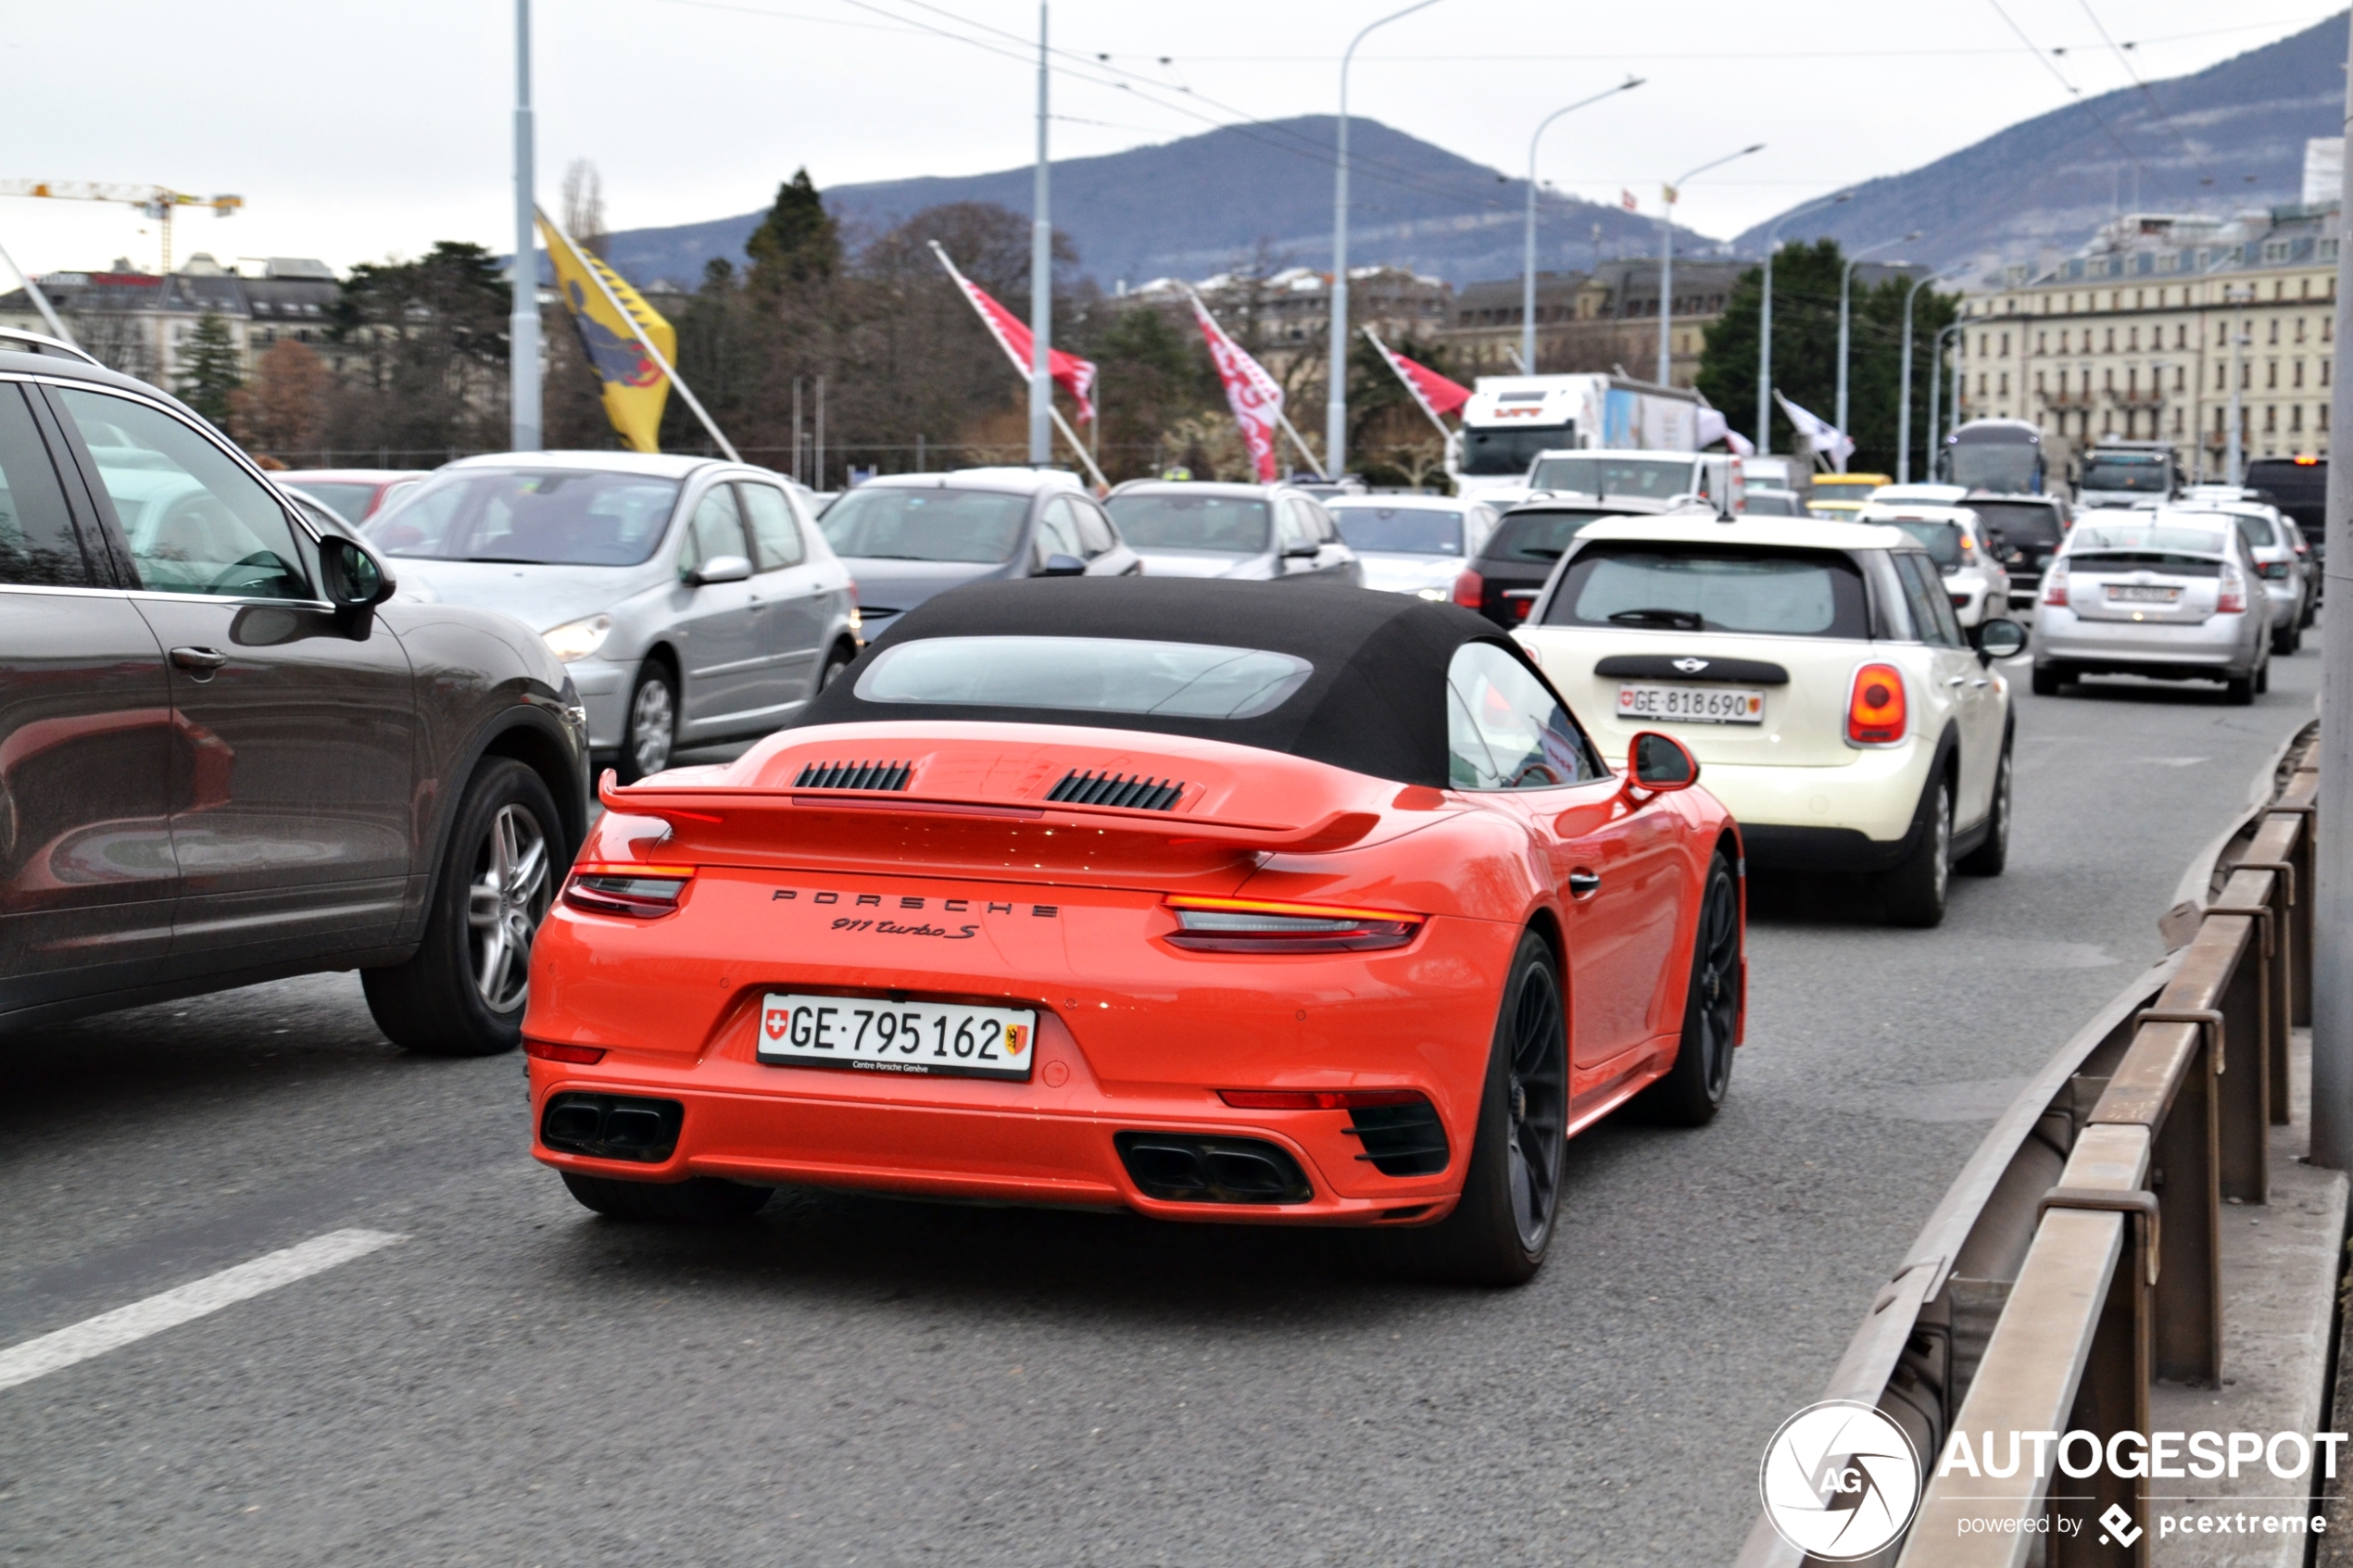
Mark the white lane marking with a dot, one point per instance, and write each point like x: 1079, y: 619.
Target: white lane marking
x: 111, y: 1331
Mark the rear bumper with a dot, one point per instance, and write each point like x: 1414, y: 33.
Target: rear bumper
x: 1812, y: 817
x: 2220, y: 646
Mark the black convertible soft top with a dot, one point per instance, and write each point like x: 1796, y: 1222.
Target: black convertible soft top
x: 1376, y: 703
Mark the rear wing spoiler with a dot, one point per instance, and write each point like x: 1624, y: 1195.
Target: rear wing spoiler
x: 828, y: 820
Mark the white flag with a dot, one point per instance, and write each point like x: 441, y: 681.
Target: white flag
x: 1823, y: 436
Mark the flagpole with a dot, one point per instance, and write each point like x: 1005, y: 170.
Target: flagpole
x: 1419, y: 402
x: 522, y: 322
x: 1041, y: 283
x: 637, y: 331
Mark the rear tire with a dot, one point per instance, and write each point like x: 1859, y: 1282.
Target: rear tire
x: 696, y: 1201
x: 1989, y: 857
x: 1915, y: 890
x: 1501, y: 1230
x: 2288, y: 639
x: 649, y: 728
x: 2049, y: 679
x: 464, y: 991
x: 1694, y: 1088
x: 2239, y: 690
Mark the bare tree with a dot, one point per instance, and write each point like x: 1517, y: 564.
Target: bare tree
x: 584, y: 207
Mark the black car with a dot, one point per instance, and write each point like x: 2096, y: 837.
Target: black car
x: 2025, y: 533
x: 907, y: 537
x: 2299, y: 487
x: 227, y: 753
x: 1517, y: 560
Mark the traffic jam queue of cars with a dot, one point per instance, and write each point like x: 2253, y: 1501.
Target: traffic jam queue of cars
x: 1218, y: 852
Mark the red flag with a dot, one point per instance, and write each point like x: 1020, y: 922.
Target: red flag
x: 1250, y: 393
x: 1071, y: 374
x: 1626, y: 199
x: 1433, y: 392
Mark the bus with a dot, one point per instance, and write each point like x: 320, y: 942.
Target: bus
x: 2003, y: 457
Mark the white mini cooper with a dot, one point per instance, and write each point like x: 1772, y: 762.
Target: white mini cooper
x: 1819, y: 674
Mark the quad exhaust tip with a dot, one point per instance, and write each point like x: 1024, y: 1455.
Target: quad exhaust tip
x: 644, y: 1132
x: 1187, y: 1168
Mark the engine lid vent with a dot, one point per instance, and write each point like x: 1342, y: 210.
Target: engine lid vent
x: 854, y: 775
x: 1138, y: 793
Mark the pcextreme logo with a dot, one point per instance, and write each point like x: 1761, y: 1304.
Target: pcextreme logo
x: 1840, y: 1480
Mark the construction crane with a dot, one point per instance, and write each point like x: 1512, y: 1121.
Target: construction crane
x: 155, y: 203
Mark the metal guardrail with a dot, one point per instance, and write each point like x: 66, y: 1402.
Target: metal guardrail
x: 2077, y: 1257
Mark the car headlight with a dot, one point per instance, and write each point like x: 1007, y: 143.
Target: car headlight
x: 578, y: 639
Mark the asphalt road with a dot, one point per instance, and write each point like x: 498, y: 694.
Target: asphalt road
x: 851, y: 1380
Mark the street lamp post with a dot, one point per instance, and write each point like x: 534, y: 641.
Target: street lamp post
x: 1904, y: 394
x: 1041, y: 283
x: 1845, y: 287
x: 1935, y: 384
x: 1336, y: 405
x: 1528, y: 267
x: 2234, y: 453
x: 522, y: 324
x: 1666, y: 260
x: 1765, y: 320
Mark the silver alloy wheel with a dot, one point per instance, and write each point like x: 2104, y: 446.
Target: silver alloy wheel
x: 513, y: 886
x: 653, y: 719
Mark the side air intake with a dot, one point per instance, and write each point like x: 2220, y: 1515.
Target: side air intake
x: 854, y: 775
x: 1117, y: 789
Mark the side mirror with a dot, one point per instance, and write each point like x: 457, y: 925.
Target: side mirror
x: 1661, y: 763
x: 1306, y: 551
x: 1060, y: 565
x: 351, y: 575
x: 1999, y: 639
x: 721, y: 569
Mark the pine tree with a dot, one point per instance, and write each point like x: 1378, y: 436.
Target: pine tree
x: 210, y: 368
x: 797, y: 242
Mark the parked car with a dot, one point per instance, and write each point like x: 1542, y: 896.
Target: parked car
x: 690, y: 598
x: 1818, y: 673
x: 1505, y: 579
x: 1954, y: 538
x: 2023, y: 532
x: 227, y: 754
x: 1290, y: 906
x: 1269, y: 532
x: 355, y: 495
x: 2168, y: 594
x: 1413, y: 544
x: 908, y: 536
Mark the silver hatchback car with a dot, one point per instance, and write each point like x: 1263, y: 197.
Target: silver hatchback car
x: 2170, y: 593
x: 691, y: 600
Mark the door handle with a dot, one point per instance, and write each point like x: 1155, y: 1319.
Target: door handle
x: 1980, y: 681
x: 204, y: 661
x: 1584, y: 883
x: 1958, y: 680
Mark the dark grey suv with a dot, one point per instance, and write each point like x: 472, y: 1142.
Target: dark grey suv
x: 227, y: 754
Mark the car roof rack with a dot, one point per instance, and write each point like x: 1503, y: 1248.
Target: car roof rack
x: 42, y: 343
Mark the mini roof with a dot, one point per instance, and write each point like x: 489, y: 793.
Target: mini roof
x: 1376, y: 703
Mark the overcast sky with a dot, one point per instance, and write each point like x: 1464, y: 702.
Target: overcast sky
x: 356, y: 130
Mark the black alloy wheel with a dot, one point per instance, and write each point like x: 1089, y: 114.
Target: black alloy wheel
x: 1501, y: 1230
x: 1693, y: 1090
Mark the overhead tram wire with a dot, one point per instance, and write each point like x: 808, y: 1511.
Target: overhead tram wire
x: 2073, y: 90
x: 2147, y: 92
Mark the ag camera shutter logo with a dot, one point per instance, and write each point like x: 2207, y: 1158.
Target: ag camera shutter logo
x: 1840, y: 1481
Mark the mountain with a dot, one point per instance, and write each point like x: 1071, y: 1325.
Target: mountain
x: 1198, y: 205
x: 2048, y: 183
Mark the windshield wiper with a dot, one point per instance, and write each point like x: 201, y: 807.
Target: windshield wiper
x: 503, y: 560
x: 1680, y: 620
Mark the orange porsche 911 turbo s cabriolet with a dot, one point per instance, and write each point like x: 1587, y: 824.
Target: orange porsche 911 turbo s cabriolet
x: 1208, y: 901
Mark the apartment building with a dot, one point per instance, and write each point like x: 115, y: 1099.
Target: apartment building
x: 2147, y: 332
x: 140, y: 322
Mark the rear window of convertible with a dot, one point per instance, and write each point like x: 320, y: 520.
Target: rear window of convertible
x: 1643, y: 586
x: 1085, y: 674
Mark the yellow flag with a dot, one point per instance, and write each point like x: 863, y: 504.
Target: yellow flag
x: 636, y: 388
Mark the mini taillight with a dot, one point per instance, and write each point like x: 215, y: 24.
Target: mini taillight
x: 1250, y: 926
x: 548, y: 1050
x: 1468, y: 588
x: 637, y: 892
x: 1317, y: 1100
x: 1960, y: 601
x: 1876, y: 713
x: 2054, y: 583
x: 2231, y: 599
